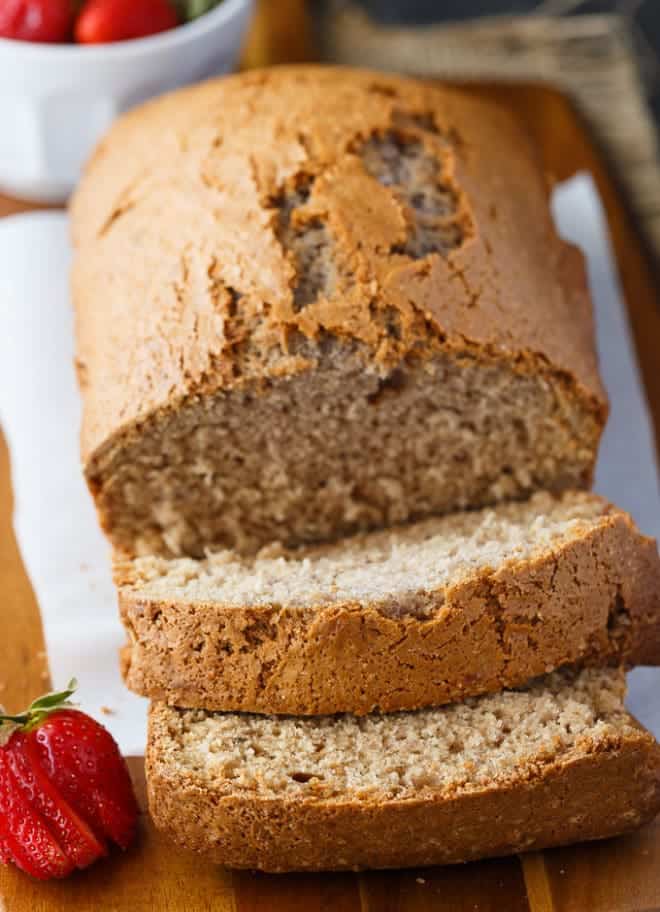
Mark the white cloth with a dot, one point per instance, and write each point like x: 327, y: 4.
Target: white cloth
x: 64, y: 552
x: 627, y: 469
x: 65, y: 555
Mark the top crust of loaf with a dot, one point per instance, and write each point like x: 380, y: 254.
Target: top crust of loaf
x: 228, y: 233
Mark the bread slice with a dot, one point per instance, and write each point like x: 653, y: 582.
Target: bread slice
x: 558, y: 762
x: 416, y: 616
x: 326, y: 330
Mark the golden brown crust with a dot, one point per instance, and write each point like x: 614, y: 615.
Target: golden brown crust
x: 185, y: 280
x: 593, y: 600
x: 599, y: 790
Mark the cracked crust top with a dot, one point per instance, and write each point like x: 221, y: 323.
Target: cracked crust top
x: 233, y: 229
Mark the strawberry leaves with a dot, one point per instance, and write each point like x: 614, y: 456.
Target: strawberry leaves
x: 41, y: 708
x: 193, y: 9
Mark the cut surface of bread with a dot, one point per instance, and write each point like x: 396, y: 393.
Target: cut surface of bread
x: 326, y: 331
x: 557, y: 762
x: 419, y: 615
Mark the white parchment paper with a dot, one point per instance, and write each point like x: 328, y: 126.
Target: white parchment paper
x: 64, y: 553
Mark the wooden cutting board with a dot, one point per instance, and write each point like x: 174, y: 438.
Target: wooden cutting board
x: 621, y: 875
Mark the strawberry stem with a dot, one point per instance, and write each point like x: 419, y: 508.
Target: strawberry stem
x: 41, y: 708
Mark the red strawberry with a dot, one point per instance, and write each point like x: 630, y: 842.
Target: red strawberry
x: 82, y: 846
x: 65, y: 790
x: 26, y: 840
x: 101, y: 21
x: 83, y: 762
x: 36, y: 20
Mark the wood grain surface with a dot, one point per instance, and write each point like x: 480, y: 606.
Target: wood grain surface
x: 620, y: 875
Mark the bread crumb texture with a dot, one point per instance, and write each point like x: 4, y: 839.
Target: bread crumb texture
x: 391, y: 568
x: 464, y: 747
x: 312, y: 301
x: 419, y: 615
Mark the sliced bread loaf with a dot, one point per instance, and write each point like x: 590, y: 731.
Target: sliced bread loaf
x: 326, y: 330
x: 558, y: 762
x: 416, y: 616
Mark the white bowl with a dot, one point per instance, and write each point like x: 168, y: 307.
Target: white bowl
x: 57, y: 100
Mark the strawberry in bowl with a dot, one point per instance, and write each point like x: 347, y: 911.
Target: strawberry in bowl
x: 49, y: 21
x: 95, y: 21
x: 65, y: 790
x: 68, y: 68
x: 103, y: 21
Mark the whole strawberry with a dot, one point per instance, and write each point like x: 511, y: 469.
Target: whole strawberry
x: 65, y: 791
x: 37, y: 20
x: 103, y: 21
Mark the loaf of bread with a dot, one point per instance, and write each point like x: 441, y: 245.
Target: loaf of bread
x: 316, y: 301
x: 415, y: 616
x: 556, y: 763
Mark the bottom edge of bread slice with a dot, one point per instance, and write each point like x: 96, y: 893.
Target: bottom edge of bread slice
x: 556, y: 762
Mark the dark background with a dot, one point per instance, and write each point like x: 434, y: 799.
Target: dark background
x: 644, y: 15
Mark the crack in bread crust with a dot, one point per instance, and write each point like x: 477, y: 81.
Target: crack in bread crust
x: 418, y: 180
x: 238, y: 236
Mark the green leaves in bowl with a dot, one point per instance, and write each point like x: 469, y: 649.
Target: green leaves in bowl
x: 193, y: 9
